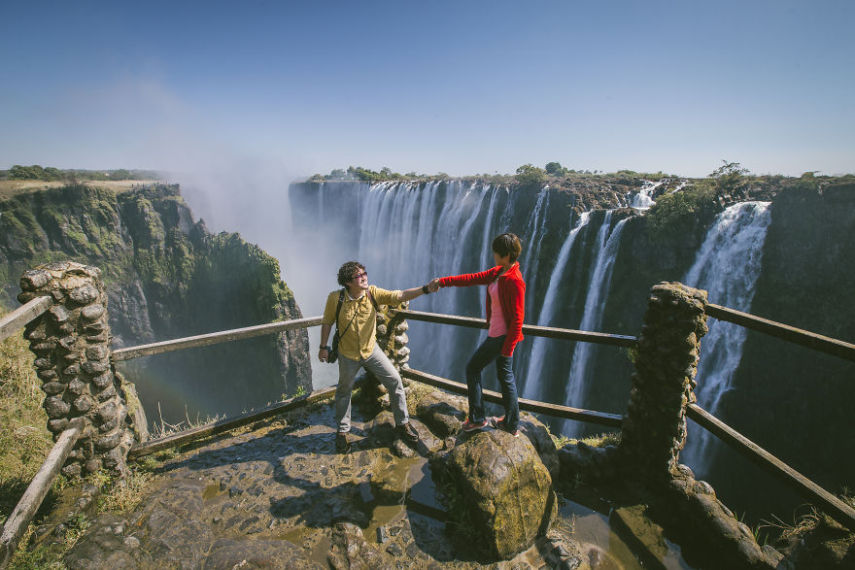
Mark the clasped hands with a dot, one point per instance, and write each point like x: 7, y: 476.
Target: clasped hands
x: 433, y: 286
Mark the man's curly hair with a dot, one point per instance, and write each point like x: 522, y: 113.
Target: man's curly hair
x: 348, y: 270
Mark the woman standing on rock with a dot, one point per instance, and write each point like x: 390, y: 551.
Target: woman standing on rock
x: 505, y: 311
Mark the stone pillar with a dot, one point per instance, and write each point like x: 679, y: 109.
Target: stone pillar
x: 392, y: 336
x: 71, y: 342
x: 654, y: 427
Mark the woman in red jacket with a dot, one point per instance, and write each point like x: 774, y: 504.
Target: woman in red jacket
x: 505, y: 311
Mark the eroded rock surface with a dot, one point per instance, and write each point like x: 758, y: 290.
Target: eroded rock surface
x: 280, y: 497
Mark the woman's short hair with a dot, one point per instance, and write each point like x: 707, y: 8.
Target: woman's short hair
x: 508, y: 244
x: 347, y: 271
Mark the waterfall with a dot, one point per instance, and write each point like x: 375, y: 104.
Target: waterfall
x: 594, y: 305
x: 408, y: 233
x: 532, y: 240
x: 727, y: 266
x: 533, y: 383
x: 642, y: 200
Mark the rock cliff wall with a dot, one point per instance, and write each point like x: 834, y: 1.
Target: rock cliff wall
x: 166, y: 277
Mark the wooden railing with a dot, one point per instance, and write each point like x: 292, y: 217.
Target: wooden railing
x: 803, y: 485
x: 530, y: 330
x: 18, y: 319
x: 792, y: 334
x: 32, y: 499
x: 212, y: 338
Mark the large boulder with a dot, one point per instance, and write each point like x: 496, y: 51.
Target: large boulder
x: 503, y: 492
x: 443, y: 413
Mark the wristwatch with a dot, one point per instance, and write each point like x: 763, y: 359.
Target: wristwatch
x: 325, y: 347
x: 425, y: 290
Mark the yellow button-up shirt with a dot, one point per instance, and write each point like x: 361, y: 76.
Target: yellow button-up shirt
x: 358, y: 340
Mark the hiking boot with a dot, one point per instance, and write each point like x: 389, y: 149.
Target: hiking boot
x: 408, y: 433
x: 469, y: 425
x: 342, y: 445
x: 499, y: 423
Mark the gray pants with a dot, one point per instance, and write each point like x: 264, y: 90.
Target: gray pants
x: 378, y: 364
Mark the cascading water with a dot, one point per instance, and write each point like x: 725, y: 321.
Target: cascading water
x: 727, y: 266
x: 534, y: 374
x: 642, y: 199
x: 408, y: 233
x: 595, y: 299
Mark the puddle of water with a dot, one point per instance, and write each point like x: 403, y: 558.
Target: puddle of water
x: 318, y: 539
x: 605, y: 549
x: 406, y: 485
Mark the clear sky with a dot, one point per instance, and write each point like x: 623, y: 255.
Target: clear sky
x: 463, y: 86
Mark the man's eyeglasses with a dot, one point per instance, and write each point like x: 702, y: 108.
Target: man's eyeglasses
x: 360, y: 275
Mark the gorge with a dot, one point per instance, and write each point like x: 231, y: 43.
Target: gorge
x: 167, y: 277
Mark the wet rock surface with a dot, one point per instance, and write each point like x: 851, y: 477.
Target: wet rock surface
x: 506, y: 490
x: 279, y: 496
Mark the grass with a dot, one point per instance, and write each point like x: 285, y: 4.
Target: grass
x: 10, y: 188
x: 24, y: 445
x: 601, y: 440
x: 24, y: 438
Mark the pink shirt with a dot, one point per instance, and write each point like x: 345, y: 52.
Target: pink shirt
x: 498, y: 326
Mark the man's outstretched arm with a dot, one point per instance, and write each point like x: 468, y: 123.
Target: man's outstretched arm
x: 408, y: 294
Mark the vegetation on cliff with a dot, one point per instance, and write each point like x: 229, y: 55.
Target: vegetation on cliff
x: 24, y: 438
x: 50, y: 173
x: 167, y: 277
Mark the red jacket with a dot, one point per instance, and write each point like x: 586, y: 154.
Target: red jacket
x: 511, y: 297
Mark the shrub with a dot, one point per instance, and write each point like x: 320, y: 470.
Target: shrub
x: 679, y: 213
x: 531, y: 176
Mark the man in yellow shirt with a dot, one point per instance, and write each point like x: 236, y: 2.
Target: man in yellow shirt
x: 357, y: 323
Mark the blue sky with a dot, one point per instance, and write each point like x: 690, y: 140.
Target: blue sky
x: 461, y: 87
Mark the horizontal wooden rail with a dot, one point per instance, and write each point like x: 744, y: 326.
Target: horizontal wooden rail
x: 228, y: 424
x: 32, y: 499
x: 804, y: 486
x: 792, y: 334
x: 212, y: 338
x: 531, y: 330
x: 601, y: 418
x: 11, y: 323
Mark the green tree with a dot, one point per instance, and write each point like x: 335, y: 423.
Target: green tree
x: 555, y: 169
x: 729, y: 178
x: 529, y: 175
x: 678, y: 215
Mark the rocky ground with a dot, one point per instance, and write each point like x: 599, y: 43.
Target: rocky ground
x: 279, y: 496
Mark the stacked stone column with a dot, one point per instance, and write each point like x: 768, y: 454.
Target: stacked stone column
x: 72, y: 347
x: 654, y: 428
x: 392, y: 336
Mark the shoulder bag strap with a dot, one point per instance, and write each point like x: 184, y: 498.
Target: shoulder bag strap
x: 338, y: 311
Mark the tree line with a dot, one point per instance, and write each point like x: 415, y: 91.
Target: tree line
x: 50, y: 174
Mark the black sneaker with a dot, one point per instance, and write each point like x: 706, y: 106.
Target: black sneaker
x: 342, y: 445
x: 408, y: 433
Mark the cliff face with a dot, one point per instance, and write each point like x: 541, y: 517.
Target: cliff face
x: 796, y: 401
x: 166, y: 277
